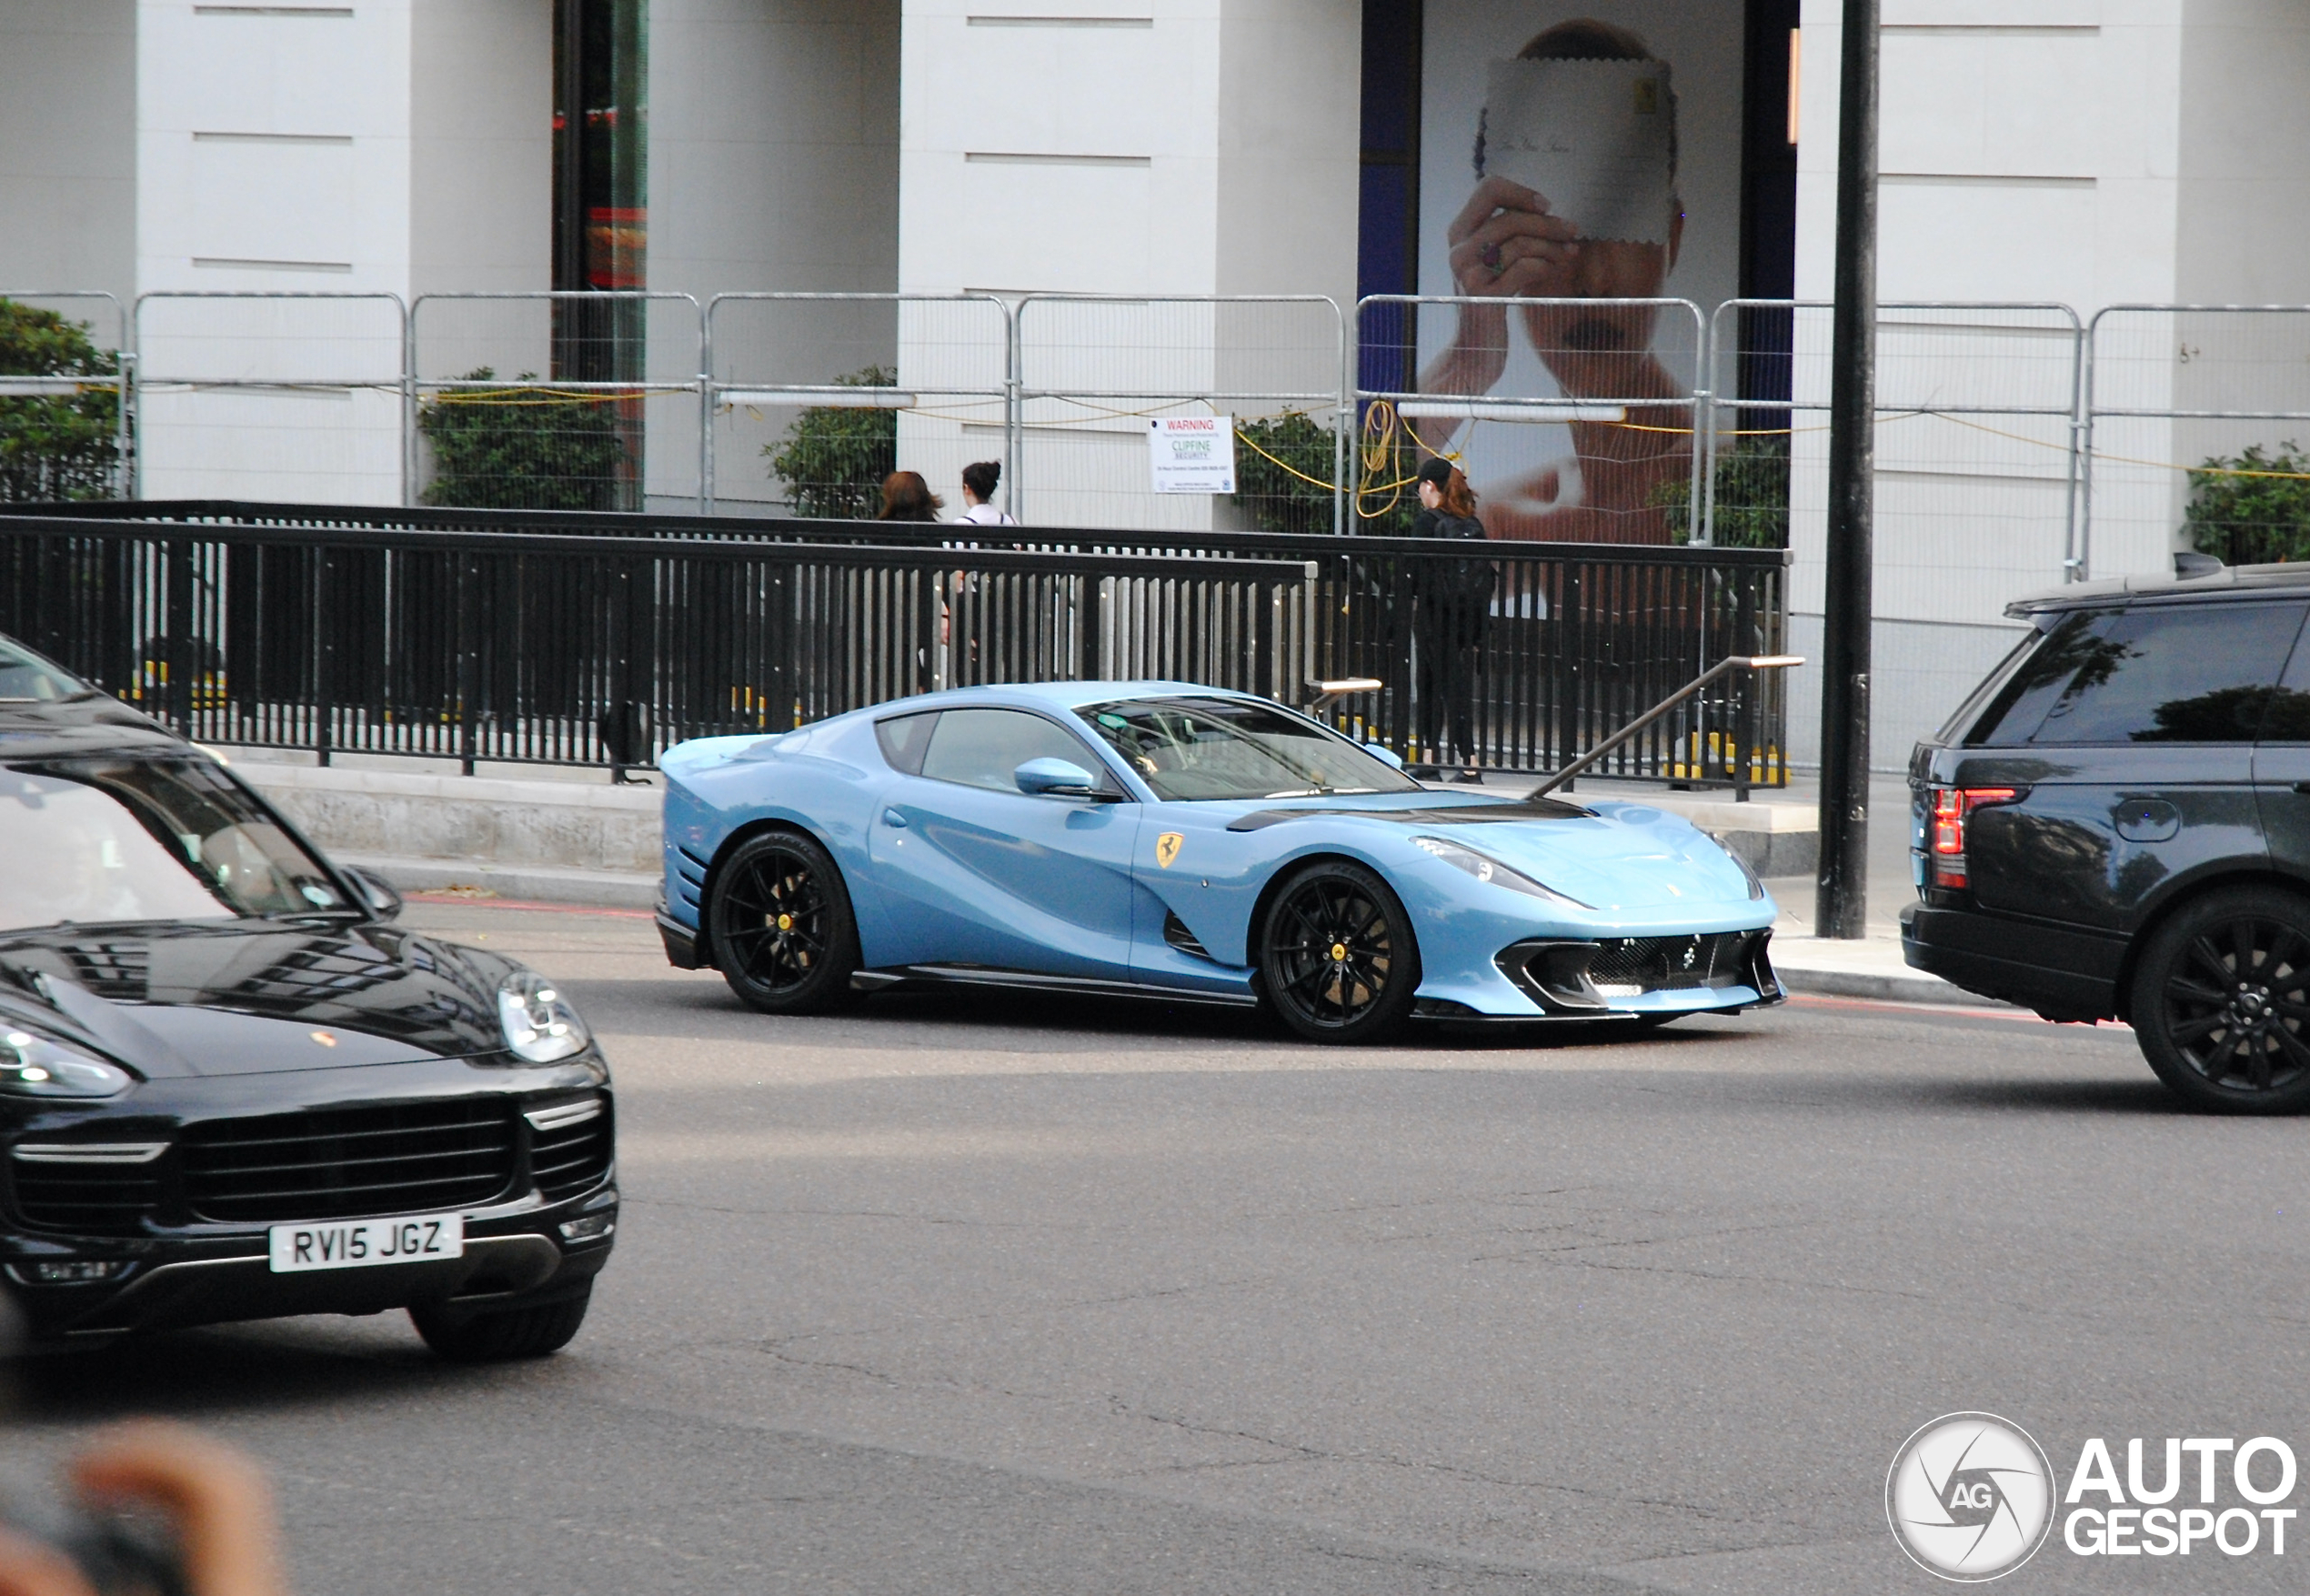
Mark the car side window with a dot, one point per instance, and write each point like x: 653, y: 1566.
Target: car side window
x: 2019, y: 707
x: 2289, y: 720
x: 2199, y: 673
x: 905, y: 738
x: 984, y: 747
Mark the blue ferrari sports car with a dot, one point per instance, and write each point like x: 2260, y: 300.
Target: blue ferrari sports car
x: 1162, y: 839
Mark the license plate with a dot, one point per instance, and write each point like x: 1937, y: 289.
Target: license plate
x: 366, y: 1243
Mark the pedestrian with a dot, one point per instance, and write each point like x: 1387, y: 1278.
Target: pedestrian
x: 906, y: 497
x: 978, y: 479
x: 1452, y: 603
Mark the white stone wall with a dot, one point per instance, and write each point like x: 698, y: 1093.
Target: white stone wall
x: 68, y: 131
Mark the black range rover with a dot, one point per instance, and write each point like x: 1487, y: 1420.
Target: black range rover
x: 230, y: 1088
x: 2116, y: 825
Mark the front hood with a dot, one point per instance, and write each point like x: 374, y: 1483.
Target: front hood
x: 1621, y: 856
x: 1610, y: 854
x: 255, y: 997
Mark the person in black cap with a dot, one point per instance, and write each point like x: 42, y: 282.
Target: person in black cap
x: 1454, y: 599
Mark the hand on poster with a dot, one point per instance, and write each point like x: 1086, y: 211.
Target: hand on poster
x: 1574, y: 203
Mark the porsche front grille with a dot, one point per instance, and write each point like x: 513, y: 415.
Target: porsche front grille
x: 348, y: 1163
x: 570, y: 1148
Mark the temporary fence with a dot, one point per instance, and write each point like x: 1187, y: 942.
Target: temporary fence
x: 574, y: 401
x: 808, y: 412
x: 2013, y: 443
x: 68, y: 386
x: 564, y: 648
x: 1522, y: 658
x: 1578, y: 417
x: 1095, y: 373
x: 297, y: 394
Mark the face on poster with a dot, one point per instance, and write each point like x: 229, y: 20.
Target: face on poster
x: 1585, y: 152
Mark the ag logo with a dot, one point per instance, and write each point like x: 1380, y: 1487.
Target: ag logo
x: 1167, y: 848
x: 1970, y: 1497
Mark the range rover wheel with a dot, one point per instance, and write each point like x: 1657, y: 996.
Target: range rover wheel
x: 504, y: 1335
x: 2220, y: 1002
x: 781, y: 925
x: 1337, y: 961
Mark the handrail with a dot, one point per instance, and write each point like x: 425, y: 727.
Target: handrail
x: 1720, y: 669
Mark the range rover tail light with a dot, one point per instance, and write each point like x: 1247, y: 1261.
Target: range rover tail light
x: 1953, y: 810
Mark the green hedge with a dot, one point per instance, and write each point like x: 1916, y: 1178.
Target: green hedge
x: 2251, y: 520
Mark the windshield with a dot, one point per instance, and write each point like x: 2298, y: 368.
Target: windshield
x: 91, y: 841
x: 1188, y: 749
x: 26, y: 678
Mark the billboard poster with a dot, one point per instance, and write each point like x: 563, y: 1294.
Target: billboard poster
x: 1587, y: 153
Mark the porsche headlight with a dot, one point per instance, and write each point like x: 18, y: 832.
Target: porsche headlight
x: 1491, y: 869
x: 540, y: 1024
x: 34, y: 1066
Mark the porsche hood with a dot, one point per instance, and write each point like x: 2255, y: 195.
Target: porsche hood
x: 252, y: 997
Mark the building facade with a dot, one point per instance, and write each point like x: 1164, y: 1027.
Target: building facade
x: 2048, y: 156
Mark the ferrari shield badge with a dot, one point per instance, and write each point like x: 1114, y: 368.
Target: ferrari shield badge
x: 1167, y: 848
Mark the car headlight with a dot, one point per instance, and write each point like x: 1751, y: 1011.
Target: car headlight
x: 1491, y: 869
x: 34, y: 1066
x: 540, y: 1026
x: 1756, y: 886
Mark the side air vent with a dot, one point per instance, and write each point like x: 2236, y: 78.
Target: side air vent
x: 1176, y: 933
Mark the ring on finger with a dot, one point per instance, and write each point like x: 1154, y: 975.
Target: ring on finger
x: 1491, y: 256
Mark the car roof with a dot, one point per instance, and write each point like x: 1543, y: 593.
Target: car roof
x: 2227, y: 582
x: 1061, y: 696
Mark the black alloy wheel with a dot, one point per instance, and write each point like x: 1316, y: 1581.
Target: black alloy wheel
x: 1337, y: 959
x: 2220, y: 1002
x: 781, y: 928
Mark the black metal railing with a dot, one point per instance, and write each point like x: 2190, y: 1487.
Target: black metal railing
x: 599, y: 638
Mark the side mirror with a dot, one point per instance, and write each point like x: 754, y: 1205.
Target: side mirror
x: 1385, y: 755
x: 378, y: 894
x: 1049, y: 777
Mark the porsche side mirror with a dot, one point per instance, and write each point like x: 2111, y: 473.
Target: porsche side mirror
x: 1385, y: 755
x: 1049, y: 777
x: 378, y: 894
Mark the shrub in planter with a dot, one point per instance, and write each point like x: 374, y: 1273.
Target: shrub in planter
x: 524, y: 449
x: 2247, y: 519
x: 833, y: 457
x: 1280, y: 499
x: 56, y: 445
x: 1752, y: 496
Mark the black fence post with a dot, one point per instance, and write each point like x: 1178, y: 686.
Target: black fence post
x: 465, y: 644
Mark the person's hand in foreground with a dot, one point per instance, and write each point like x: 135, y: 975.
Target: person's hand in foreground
x: 217, y: 1499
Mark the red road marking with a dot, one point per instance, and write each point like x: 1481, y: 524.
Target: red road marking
x: 470, y: 902
x: 1887, y: 1005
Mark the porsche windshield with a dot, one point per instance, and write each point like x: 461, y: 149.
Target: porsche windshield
x: 95, y: 841
x: 1225, y: 748
x: 26, y: 678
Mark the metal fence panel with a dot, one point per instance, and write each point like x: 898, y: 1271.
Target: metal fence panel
x: 530, y: 646
x: 1093, y: 371
x: 2208, y: 404
x: 83, y: 411
x: 1572, y: 644
x: 817, y: 398
x: 299, y: 393
x: 1573, y: 418
x: 1974, y: 486
x: 567, y: 401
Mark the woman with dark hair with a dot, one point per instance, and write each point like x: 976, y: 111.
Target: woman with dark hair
x: 978, y: 479
x: 906, y: 497
x: 1454, y: 600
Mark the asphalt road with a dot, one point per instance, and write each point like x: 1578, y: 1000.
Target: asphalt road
x: 987, y: 1294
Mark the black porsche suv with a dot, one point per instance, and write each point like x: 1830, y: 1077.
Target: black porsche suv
x: 230, y: 1088
x: 2116, y: 825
